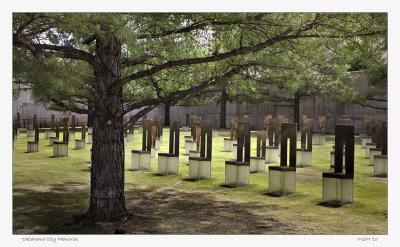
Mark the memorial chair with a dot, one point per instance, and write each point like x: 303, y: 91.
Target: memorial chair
x: 237, y: 172
x: 33, y: 147
x: 282, y: 179
x: 304, y: 154
x: 60, y: 149
x: 257, y: 163
x: 380, y: 161
x: 337, y: 187
x: 200, y: 167
x: 141, y: 159
x: 168, y: 163
x: 320, y: 137
x: 190, y: 141
x: 272, y: 150
x: 80, y: 143
x: 228, y: 142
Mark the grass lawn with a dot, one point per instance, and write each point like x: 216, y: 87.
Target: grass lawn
x: 49, y: 194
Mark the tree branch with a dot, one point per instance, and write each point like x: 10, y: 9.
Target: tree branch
x: 67, y: 55
x: 336, y: 36
x: 18, y: 41
x: 83, y: 55
x: 199, y: 25
x: 180, y: 94
x: 128, y: 63
x: 68, y: 107
x: 155, y: 84
x: 191, y: 61
x: 60, y: 51
x: 138, y: 115
x: 374, y: 107
x: 21, y: 27
x: 382, y: 100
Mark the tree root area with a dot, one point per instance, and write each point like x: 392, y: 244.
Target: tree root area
x: 152, y: 211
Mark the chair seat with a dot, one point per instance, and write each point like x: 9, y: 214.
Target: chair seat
x: 282, y: 168
x: 237, y: 163
x: 168, y: 155
x: 337, y: 175
x: 140, y: 151
x: 200, y: 158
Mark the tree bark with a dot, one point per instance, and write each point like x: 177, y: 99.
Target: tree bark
x: 166, y: 114
x: 90, y: 116
x: 296, y: 110
x: 107, y: 201
x: 222, y: 117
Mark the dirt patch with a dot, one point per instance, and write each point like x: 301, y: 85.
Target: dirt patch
x: 378, y: 180
x: 309, y: 177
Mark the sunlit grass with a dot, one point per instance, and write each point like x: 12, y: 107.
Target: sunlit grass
x: 47, y: 191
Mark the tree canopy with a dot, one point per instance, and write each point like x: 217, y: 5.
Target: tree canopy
x: 166, y: 53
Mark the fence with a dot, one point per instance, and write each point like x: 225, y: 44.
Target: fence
x: 46, y: 122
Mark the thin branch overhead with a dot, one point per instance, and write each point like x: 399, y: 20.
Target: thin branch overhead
x: 180, y: 94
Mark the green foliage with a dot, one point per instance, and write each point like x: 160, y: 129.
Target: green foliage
x: 370, y: 56
x: 53, y: 78
x: 329, y: 44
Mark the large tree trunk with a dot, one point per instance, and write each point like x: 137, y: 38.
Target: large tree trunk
x: 296, y: 110
x: 222, y: 117
x: 166, y: 114
x: 107, y: 202
x: 90, y: 122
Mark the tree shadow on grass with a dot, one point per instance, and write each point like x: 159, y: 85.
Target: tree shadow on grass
x: 170, y: 211
x: 157, y: 175
x: 155, y: 210
x: 191, y: 180
x: 45, y: 209
x: 173, y: 175
x: 330, y: 205
x: 227, y: 186
x: 131, y: 170
x: 272, y: 194
x: 56, y: 210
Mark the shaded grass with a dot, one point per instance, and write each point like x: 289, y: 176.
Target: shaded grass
x: 50, y: 193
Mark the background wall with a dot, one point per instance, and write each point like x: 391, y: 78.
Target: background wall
x: 312, y: 107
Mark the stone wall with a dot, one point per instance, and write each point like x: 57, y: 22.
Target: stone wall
x: 312, y: 107
x: 27, y: 107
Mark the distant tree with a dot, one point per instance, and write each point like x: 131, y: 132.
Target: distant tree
x: 298, y: 72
